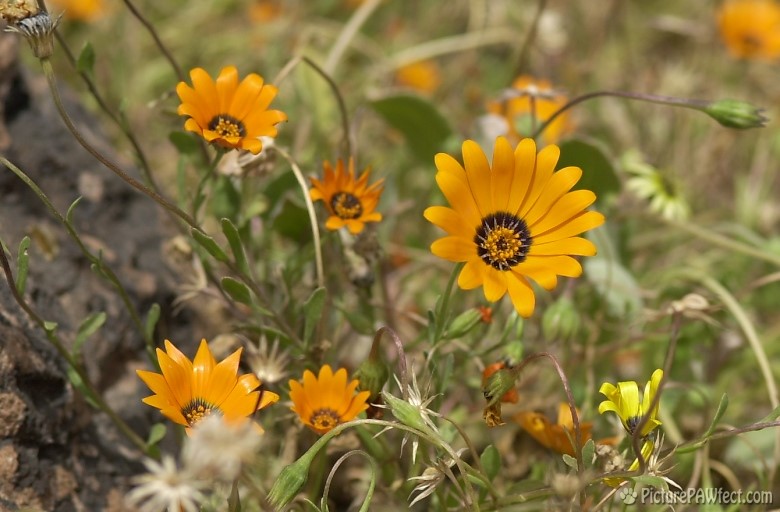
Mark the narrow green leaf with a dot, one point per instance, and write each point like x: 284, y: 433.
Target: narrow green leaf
x: 237, y: 290
x: 236, y: 246
x: 588, y: 450
x: 88, y: 327
x: 72, y: 210
x: 772, y: 416
x: 722, y: 406
x: 156, y: 434
x: 49, y: 327
x: 209, y: 244
x: 76, y: 382
x: 22, y: 265
x: 312, y: 310
x: 491, y: 461
x: 85, y: 63
x: 152, y: 317
x: 463, y: 324
x: 425, y: 129
x: 234, y: 500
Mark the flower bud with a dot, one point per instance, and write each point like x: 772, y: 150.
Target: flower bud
x: 290, y: 481
x: 499, y: 384
x: 407, y: 413
x: 510, y: 396
x: 561, y: 321
x: 372, y: 375
x: 736, y: 114
x: 464, y: 323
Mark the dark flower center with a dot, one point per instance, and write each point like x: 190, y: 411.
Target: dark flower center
x: 324, y: 419
x: 227, y: 126
x: 346, y: 205
x: 198, y: 409
x: 503, y: 240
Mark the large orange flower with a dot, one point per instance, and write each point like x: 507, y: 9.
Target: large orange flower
x: 327, y: 400
x: 230, y: 114
x: 751, y: 28
x: 188, y: 391
x: 512, y: 221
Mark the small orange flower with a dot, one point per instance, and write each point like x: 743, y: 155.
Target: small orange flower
x: 555, y: 436
x: 535, y: 102
x: 188, y: 391
x: 423, y: 76
x: 350, y: 201
x: 82, y: 10
x: 263, y: 11
x: 326, y: 401
x: 751, y: 28
x: 510, y: 396
x: 229, y: 113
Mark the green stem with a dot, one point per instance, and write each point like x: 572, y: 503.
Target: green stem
x: 150, y: 28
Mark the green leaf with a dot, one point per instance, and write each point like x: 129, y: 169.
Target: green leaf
x: 22, y: 265
x: 236, y: 246
x: 616, y: 285
x: 225, y: 199
x: 652, y: 481
x: 598, y: 173
x: 722, y: 406
x: 76, y: 382
x: 360, y: 323
x: 186, y: 143
x: 234, y: 500
x: 209, y: 244
x: 156, y: 434
x: 49, y: 327
x: 237, y: 290
x: 772, y: 416
x: 491, y: 461
x: 88, y: 327
x: 423, y: 126
x: 86, y: 60
x: 588, y: 450
x: 152, y: 317
x: 570, y: 461
x: 72, y: 210
x: 312, y: 310
x: 293, y: 222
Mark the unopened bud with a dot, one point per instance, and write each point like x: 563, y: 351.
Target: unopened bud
x: 510, y: 396
x: 498, y: 384
x: 464, y: 323
x: 290, y: 481
x: 736, y: 114
x: 372, y: 375
x: 406, y: 413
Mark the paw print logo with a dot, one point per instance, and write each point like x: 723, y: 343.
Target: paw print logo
x: 628, y: 495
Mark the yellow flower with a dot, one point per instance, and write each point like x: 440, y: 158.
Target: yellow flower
x: 555, y: 436
x: 188, y: 391
x: 511, y: 221
x: 624, y: 400
x: 350, y: 202
x: 751, y: 28
x: 423, y: 76
x: 327, y: 400
x: 82, y: 10
x: 531, y: 103
x: 230, y: 114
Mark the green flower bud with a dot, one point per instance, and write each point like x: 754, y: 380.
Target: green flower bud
x: 464, y: 323
x: 561, y: 320
x: 372, y: 375
x: 290, y: 481
x: 407, y: 414
x: 498, y: 384
x: 736, y: 114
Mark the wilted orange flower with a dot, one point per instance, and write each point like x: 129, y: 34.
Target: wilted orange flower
x: 227, y: 112
x: 422, y: 75
x: 510, y: 396
x: 350, y: 201
x: 188, y: 391
x: 555, y: 436
x: 82, y: 10
x: 327, y: 400
x: 751, y: 28
x: 533, y: 102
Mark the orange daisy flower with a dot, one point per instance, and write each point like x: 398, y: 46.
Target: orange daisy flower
x: 512, y: 221
x: 351, y: 202
x: 327, y: 400
x: 188, y: 391
x: 751, y: 28
x: 227, y: 113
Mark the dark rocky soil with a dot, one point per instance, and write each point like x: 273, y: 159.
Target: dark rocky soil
x: 56, y: 452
